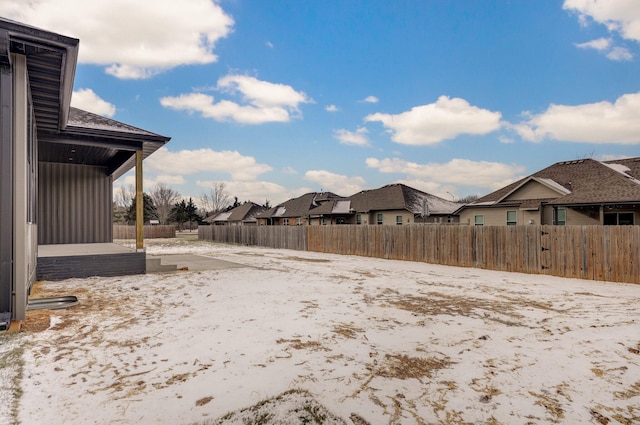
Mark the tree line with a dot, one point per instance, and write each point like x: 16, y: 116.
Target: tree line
x: 168, y: 206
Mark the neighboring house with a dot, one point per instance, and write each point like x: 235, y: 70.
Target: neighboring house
x: 391, y: 204
x: 298, y: 211
x: 579, y: 192
x: 242, y: 215
x: 57, y: 164
x: 400, y: 204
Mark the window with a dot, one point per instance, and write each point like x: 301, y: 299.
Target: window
x: 398, y: 219
x: 324, y: 221
x: 512, y: 218
x: 299, y: 221
x: 285, y: 221
x: 625, y: 219
x: 379, y: 218
x: 622, y: 219
x: 478, y: 220
x: 560, y: 216
x: 358, y: 218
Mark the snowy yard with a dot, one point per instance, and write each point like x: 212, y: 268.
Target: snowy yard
x: 373, y: 341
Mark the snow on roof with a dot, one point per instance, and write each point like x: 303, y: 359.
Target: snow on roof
x: 341, y: 207
x: 279, y: 211
x: 434, y: 204
x: 223, y: 216
x: 553, y: 184
x: 622, y: 169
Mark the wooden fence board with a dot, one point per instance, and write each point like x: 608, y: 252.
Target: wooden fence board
x: 610, y: 253
x: 121, y: 231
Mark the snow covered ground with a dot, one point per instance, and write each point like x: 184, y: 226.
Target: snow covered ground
x: 373, y: 341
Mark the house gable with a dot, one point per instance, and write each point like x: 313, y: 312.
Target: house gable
x: 586, y: 191
x: 536, y: 188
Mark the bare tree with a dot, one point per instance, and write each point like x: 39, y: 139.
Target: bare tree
x: 216, y: 200
x: 468, y: 199
x: 164, y: 199
x: 125, y: 195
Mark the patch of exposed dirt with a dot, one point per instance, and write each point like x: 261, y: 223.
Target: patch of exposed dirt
x: 551, y: 404
x: 307, y: 260
x: 292, y: 407
x: 436, y: 303
x: 298, y: 344
x: 347, y: 331
x: 404, y: 367
x: 203, y: 401
x: 37, y: 321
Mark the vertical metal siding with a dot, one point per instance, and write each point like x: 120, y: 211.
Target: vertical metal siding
x: 74, y: 204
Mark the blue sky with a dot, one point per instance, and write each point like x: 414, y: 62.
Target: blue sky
x: 279, y: 98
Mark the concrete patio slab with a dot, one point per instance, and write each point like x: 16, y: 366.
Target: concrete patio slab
x: 194, y: 262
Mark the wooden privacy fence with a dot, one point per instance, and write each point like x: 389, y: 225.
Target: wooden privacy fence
x: 610, y: 253
x: 280, y: 237
x: 121, y: 231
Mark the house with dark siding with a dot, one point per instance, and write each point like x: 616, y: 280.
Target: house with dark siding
x: 57, y: 167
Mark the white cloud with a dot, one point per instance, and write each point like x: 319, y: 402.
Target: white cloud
x: 263, y: 93
x: 331, y: 108
x: 336, y: 183
x: 598, y: 44
x: 605, y: 45
x: 87, y: 100
x: 620, y: 54
x: 269, y: 44
x: 435, y: 122
x: 609, y: 157
x: 371, y: 99
x: 264, y: 101
x: 256, y: 191
x: 238, y: 166
x: 289, y: 170
x: 357, y: 137
x: 621, y: 16
x: 506, y: 140
x: 465, y: 172
x: 601, y: 122
x: 132, y: 39
x: 431, y: 187
x: 170, y: 179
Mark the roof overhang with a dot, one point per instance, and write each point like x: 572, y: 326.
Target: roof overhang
x: 51, y: 63
x: 65, y: 134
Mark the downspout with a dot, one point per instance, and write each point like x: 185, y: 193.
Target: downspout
x: 6, y: 177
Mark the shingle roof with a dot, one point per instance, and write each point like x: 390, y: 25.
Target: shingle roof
x: 587, y: 181
x: 301, y: 206
x: 246, y: 212
x: 399, y: 197
x: 89, y: 120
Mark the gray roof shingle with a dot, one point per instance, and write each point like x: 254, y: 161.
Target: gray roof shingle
x: 301, y: 206
x: 587, y: 181
x: 399, y: 197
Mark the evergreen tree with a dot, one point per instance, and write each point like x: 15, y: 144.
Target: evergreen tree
x: 149, y: 210
x: 179, y: 213
x: 191, y: 212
